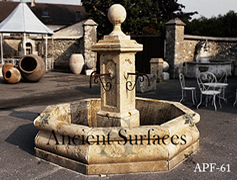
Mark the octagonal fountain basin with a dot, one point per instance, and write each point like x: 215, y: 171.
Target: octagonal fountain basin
x: 68, y: 136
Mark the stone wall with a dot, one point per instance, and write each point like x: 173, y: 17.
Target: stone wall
x: 180, y: 48
x: 221, y: 49
x: 59, y: 50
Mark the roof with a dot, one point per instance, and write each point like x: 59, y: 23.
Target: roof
x: 6, y: 8
x: 22, y: 19
x: 74, y: 31
x: 53, y: 14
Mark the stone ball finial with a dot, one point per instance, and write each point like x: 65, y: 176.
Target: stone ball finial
x: 117, y: 14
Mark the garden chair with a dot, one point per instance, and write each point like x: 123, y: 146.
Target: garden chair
x: 208, y: 91
x: 222, y: 74
x: 235, y: 98
x: 184, y: 89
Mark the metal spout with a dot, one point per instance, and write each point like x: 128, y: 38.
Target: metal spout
x: 97, y: 76
x: 141, y: 74
x: 137, y: 74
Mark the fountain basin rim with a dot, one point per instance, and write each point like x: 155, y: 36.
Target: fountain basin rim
x: 71, y: 129
x: 117, y: 155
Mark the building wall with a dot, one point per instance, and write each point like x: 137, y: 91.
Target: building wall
x: 59, y: 49
x: 181, y: 48
x: 221, y: 49
x: 10, y: 47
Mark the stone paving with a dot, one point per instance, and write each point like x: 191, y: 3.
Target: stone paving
x: 21, y: 103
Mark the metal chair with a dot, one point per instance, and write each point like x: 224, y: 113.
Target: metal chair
x: 184, y: 88
x: 222, y: 74
x: 208, y: 91
x: 235, y: 98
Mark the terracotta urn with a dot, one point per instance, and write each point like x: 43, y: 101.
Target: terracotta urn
x: 11, y: 75
x: 76, y: 63
x: 32, y: 67
x: 6, y: 66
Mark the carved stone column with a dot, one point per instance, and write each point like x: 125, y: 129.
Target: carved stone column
x: 117, y: 57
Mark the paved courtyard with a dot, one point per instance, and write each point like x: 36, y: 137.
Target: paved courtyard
x: 21, y: 103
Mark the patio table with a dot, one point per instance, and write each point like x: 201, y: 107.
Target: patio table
x: 222, y: 86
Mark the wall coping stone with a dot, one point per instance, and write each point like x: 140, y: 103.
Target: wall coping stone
x: 90, y: 22
x: 176, y: 22
x: 195, y: 37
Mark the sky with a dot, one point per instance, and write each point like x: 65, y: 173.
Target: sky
x: 206, y: 8
x: 209, y: 8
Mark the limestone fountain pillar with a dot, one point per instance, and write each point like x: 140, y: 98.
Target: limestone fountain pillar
x: 117, y: 61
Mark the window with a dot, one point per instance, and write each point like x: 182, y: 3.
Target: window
x: 28, y: 48
x: 45, y: 14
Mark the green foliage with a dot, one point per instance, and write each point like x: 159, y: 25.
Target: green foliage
x: 143, y: 16
x: 220, y: 26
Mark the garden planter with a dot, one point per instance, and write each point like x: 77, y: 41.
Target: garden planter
x: 76, y: 63
x: 32, y: 67
x: 11, y: 75
x: 6, y: 66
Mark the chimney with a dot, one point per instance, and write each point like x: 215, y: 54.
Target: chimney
x: 32, y: 3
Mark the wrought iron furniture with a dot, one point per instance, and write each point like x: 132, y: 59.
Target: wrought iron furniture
x: 235, y: 98
x: 208, y: 91
x: 222, y: 74
x: 184, y: 88
x: 221, y: 86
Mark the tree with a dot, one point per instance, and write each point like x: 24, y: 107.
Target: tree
x: 143, y: 16
x: 220, y: 26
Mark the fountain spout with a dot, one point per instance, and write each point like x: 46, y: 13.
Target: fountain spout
x: 97, y: 78
x: 137, y: 74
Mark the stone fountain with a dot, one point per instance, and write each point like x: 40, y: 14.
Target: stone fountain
x: 203, y: 61
x: 202, y: 53
x: 118, y: 133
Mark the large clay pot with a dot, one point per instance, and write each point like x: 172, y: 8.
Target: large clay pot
x: 11, y: 75
x: 76, y: 63
x: 32, y: 67
x: 6, y: 66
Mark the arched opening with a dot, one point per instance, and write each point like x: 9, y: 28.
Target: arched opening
x: 28, y: 48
